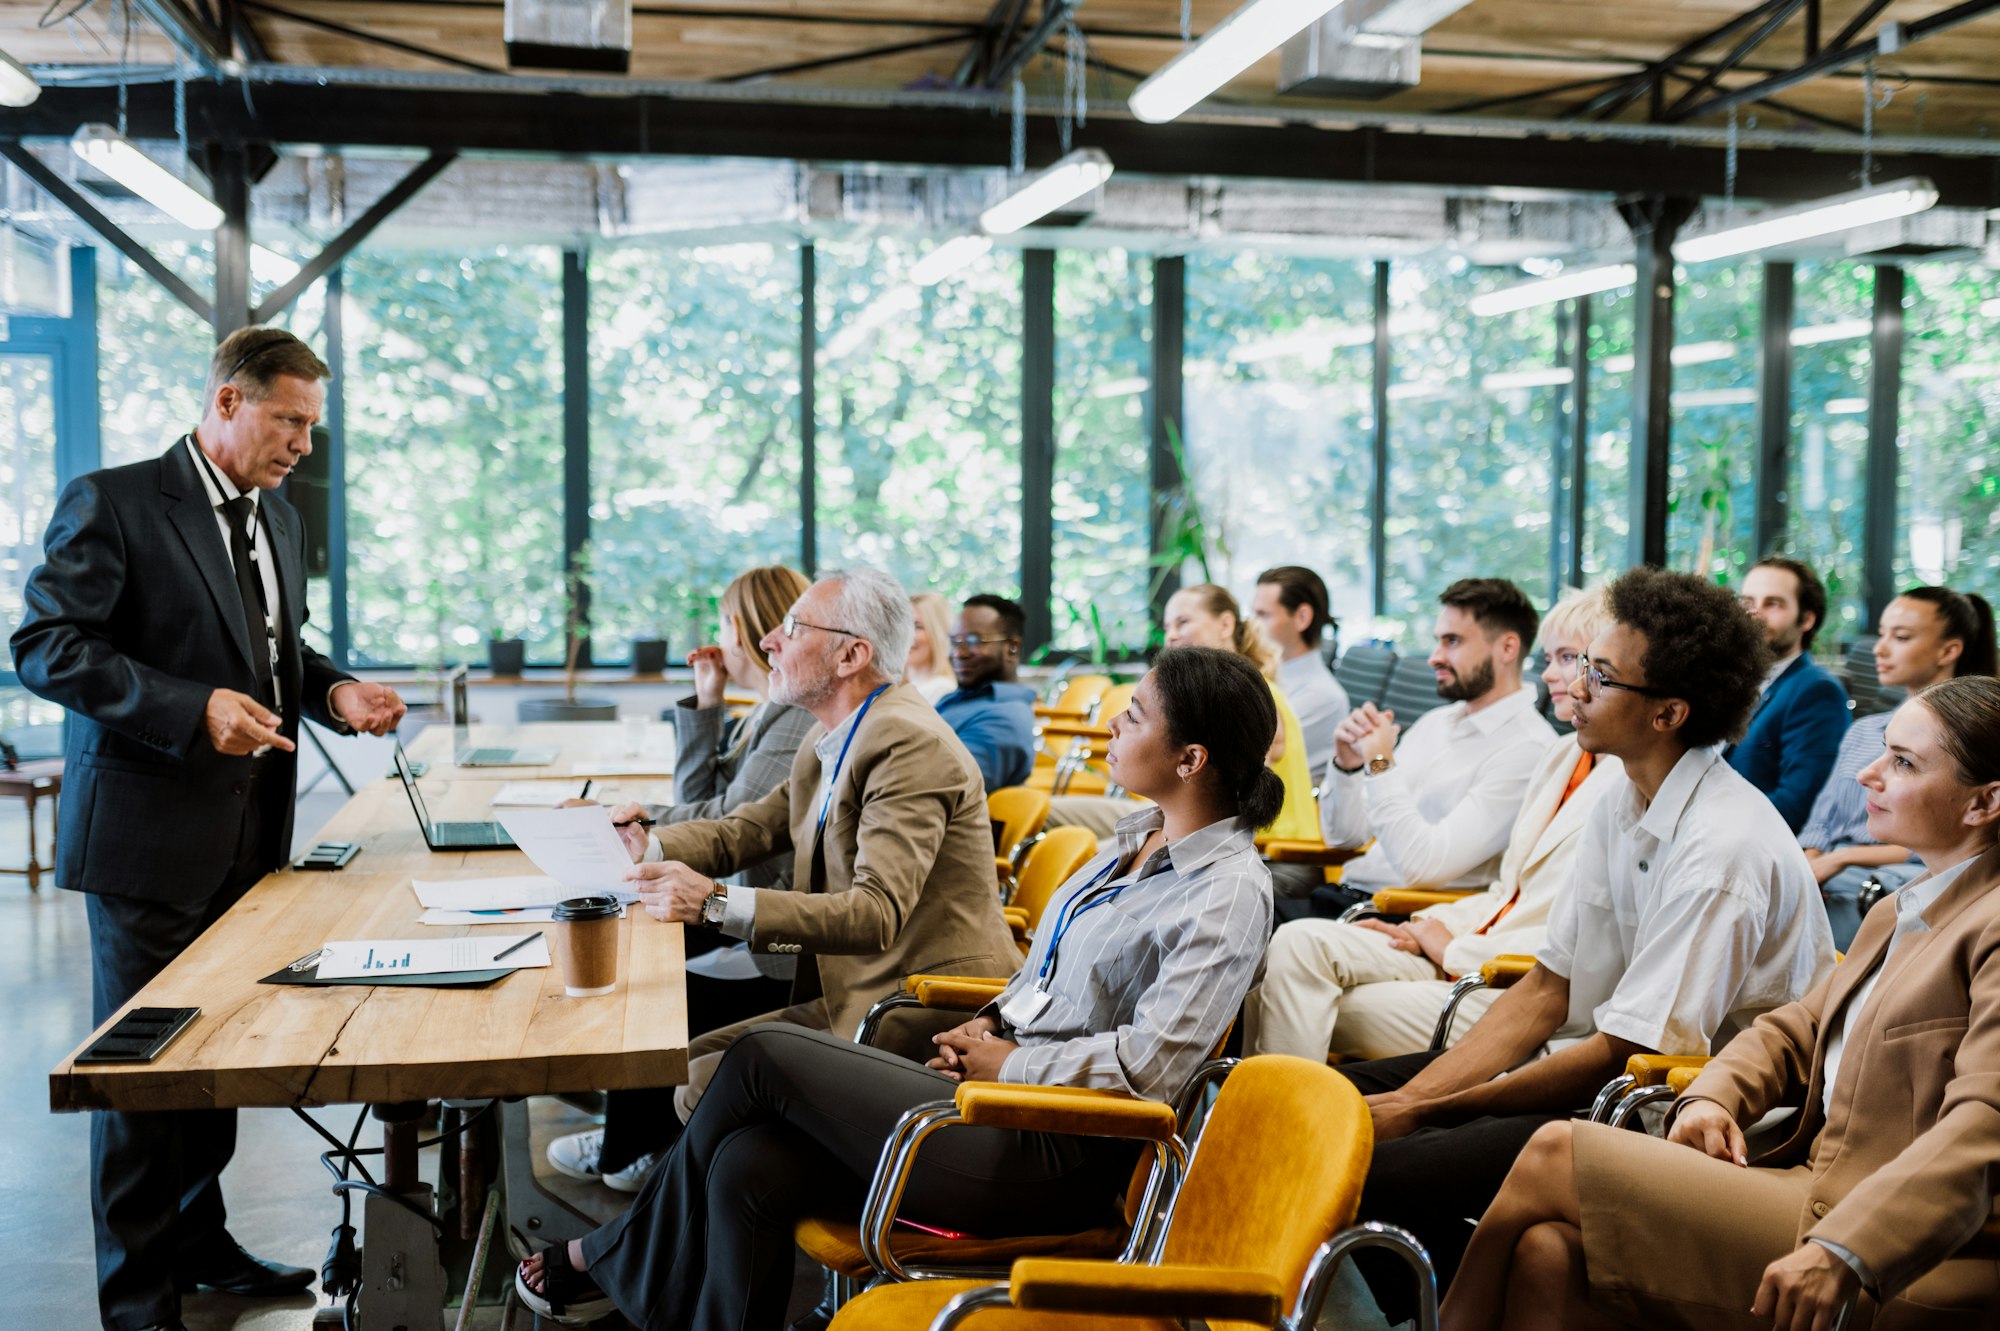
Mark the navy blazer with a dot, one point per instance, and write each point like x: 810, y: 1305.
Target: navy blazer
x: 1793, y: 738
x: 131, y: 622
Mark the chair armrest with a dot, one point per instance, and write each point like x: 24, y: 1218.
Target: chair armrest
x: 912, y: 983
x: 1410, y: 900
x: 1017, y: 919
x: 1065, y: 1285
x: 1046, y: 713
x: 1281, y: 851
x: 1679, y: 1079
x: 1074, y: 1110
x: 1074, y: 729
x: 958, y: 993
x: 1652, y: 1069
x: 1506, y: 970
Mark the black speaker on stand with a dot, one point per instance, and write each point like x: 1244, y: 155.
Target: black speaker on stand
x: 309, y: 489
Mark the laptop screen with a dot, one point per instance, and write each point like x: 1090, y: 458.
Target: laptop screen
x: 409, y: 780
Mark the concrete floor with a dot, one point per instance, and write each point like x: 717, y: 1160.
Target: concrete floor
x: 279, y: 1202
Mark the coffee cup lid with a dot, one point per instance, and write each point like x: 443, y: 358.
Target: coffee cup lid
x: 587, y: 908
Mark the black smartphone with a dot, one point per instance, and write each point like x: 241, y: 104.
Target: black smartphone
x: 139, y: 1035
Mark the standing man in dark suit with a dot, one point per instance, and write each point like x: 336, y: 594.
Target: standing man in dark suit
x: 166, y: 618
x: 1795, y: 732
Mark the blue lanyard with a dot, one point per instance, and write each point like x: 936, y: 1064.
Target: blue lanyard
x: 1075, y: 910
x: 826, y: 802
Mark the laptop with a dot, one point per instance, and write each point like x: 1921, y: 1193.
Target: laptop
x: 469, y: 754
x: 448, y: 836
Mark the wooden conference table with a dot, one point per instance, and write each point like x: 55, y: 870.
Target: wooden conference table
x: 259, y: 1045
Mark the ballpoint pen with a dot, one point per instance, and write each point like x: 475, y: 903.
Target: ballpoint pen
x: 516, y: 947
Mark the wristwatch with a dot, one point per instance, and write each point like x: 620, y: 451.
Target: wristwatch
x: 712, y: 907
x: 1379, y: 764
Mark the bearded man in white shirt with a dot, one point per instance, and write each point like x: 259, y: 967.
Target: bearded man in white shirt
x: 1693, y: 912
x: 1440, y: 801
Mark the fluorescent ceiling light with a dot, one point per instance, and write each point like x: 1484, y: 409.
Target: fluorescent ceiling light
x: 1225, y: 50
x: 267, y: 265
x: 1842, y: 212
x: 1412, y: 18
x: 1691, y: 353
x: 1990, y: 308
x: 1846, y: 406
x: 1415, y: 389
x: 1552, y: 376
x: 110, y: 152
x: 1548, y: 290
x: 17, y: 85
x: 1129, y: 387
x: 1843, y: 331
x: 958, y: 253
x: 1072, y: 177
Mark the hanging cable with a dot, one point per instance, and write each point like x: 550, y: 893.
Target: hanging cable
x: 1868, y: 124
x: 1729, y: 169
x: 1018, y: 162
x: 1187, y: 20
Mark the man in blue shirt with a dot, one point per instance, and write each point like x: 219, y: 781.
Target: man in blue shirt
x: 992, y: 714
x: 1795, y: 732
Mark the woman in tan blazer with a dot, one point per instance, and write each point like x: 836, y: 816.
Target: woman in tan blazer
x: 1883, y: 1183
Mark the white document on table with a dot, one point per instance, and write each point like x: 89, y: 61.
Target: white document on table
x: 652, y: 764
x: 357, y: 958
x: 496, y: 900
x: 513, y: 915
x: 540, y: 794
x: 578, y: 847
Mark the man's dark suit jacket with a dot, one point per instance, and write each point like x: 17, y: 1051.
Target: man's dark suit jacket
x: 132, y: 621
x: 1793, y: 738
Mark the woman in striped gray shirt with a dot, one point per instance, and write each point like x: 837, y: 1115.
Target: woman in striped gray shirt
x: 1139, y: 966
x: 1925, y: 635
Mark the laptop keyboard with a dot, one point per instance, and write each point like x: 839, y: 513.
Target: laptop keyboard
x: 470, y: 834
x: 485, y: 757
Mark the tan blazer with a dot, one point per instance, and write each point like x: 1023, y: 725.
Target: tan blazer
x: 903, y: 884
x: 1903, y: 1165
x: 1540, y: 863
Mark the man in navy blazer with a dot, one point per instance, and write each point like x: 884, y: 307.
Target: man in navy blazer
x: 1795, y: 732
x: 165, y: 617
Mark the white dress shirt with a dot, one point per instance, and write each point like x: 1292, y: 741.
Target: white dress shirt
x: 1441, y: 816
x: 1912, y: 900
x: 220, y: 491
x: 1319, y: 702
x: 1689, y: 917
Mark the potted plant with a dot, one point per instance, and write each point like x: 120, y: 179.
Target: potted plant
x: 505, y: 654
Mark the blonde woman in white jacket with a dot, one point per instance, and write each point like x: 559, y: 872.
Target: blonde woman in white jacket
x: 1371, y: 989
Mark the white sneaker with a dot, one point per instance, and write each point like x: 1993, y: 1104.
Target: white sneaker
x: 577, y: 1154
x: 632, y: 1177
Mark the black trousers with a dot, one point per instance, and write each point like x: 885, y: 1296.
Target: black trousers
x: 155, y: 1178
x: 643, y: 1122
x: 1436, y: 1182
x: 792, y: 1126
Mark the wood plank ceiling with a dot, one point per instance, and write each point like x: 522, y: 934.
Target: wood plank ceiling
x: 1540, y: 52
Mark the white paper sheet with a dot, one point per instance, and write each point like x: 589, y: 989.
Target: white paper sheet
x: 651, y: 764
x: 489, y: 893
x: 518, y: 915
x: 539, y: 794
x: 579, y: 848
x: 351, y: 958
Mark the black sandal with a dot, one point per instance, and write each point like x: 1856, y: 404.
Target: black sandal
x: 567, y: 1294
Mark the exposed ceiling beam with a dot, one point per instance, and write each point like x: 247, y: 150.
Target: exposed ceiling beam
x: 1839, y: 57
x: 570, y: 124
x: 204, y: 45
x: 1055, y: 13
x: 373, y: 39
x: 1610, y: 102
x: 344, y: 244
x: 845, y: 58
x: 1757, y: 36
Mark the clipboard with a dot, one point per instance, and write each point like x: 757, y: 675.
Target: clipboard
x: 306, y: 971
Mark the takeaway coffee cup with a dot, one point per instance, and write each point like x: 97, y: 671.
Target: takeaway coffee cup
x: 586, y: 945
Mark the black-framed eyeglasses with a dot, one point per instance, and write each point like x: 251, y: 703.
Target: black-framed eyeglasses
x: 792, y: 624
x: 1594, y: 679
x: 974, y: 640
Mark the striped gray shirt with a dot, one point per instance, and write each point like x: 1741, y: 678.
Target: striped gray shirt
x: 1145, y: 984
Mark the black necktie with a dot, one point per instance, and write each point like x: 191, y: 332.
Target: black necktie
x: 242, y: 553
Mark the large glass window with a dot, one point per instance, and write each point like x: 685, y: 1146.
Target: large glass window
x: 919, y: 417
x: 1475, y: 412
x: 1712, y: 456
x: 1276, y: 374
x: 694, y: 424
x: 454, y: 452
x: 1948, y: 491
x: 152, y: 352
x: 27, y: 476
x: 1828, y: 476
x: 1607, y: 526
x: 1102, y: 495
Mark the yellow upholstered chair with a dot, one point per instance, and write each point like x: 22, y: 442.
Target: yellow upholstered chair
x: 1255, y: 1229
x: 1079, y: 768
x: 1018, y: 812
x: 1053, y: 861
x: 1075, y: 700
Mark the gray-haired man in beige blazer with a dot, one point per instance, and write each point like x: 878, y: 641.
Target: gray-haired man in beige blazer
x: 884, y: 814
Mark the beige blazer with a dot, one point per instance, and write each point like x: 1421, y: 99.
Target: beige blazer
x: 1903, y: 1163
x: 1540, y: 862
x: 902, y: 885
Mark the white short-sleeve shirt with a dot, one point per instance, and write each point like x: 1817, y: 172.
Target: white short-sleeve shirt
x: 1690, y: 916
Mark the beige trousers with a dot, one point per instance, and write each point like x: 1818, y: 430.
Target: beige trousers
x: 1331, y: 986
